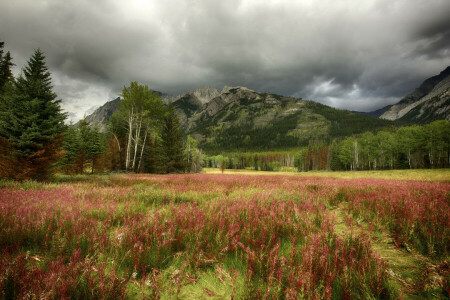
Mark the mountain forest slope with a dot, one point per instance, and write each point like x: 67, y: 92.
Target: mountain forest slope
x: 240, y: 118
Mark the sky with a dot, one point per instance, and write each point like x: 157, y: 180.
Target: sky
x: 351, y: 54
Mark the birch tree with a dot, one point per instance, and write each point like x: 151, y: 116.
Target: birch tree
x: 141, y: 109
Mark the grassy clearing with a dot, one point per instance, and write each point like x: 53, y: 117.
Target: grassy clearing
x: 203, y: 236
x: 415, y: 174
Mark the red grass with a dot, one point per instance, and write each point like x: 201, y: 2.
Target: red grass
x: 89, y: 240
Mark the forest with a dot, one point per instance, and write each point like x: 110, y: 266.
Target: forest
x: 408, y: 147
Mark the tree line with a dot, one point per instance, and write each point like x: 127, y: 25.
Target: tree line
x: 143, y: 136
x: 412, y: 147
x: 409, y: 147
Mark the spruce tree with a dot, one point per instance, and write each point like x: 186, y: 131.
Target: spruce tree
x: 33, y: 124
x: 5, y: 68
x: 84, y: 133
x: 7, y: 156
x: 95, y: 146
x: 154, y: 155
x: 72, y: 148
x: 172, y: 141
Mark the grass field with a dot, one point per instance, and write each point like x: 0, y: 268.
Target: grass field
x: 314, y: 235
x: 415, y: 174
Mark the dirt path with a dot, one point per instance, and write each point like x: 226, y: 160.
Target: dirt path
x: 415, y: 275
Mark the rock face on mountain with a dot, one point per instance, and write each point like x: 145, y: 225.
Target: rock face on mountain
x: 429, y: 102
x: 103, y: 113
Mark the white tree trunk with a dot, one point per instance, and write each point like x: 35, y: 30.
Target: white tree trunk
x: 409, y: 159
x: 136, y: 143
x: 142, y: 150
x: 130, y: 134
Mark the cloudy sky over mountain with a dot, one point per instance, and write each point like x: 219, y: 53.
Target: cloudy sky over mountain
x: 358, y: 55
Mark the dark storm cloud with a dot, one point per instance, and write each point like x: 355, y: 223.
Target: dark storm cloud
x: 359, y: 55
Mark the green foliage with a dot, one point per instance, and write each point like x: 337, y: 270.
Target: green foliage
x: 5, y: 68
x: 72, y: 147
x: 82, y: 145
x: 154, y: 155
x: 140, y: 112
x: 414, y: 146
x: 346, y: 123
x: 172, y: 141
x: 193, y: 156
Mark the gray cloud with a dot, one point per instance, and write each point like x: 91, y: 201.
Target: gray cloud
x: 358, y: 55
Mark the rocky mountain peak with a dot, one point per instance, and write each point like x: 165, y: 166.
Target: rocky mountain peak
x: 227, y: 89
x: 430, y: 101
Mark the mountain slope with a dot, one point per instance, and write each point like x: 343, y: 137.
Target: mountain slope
x: 240, y: 118
x: 429, y: 102
x: 103, y: 113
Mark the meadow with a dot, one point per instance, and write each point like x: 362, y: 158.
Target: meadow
x: 227, y: 236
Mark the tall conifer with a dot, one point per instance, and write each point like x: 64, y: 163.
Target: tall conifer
x: 5, y: 68
x: 33, y: 123
x: 173, y: 143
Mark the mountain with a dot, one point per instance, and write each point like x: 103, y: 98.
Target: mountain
x: 377, y: 113
x: 103, y: 113
x: 240, y: 118
x: 429, y: 102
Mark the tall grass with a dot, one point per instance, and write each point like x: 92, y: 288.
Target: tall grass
x: 232, y: 236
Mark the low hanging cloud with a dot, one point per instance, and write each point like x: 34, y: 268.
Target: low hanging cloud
x: 357, y: 55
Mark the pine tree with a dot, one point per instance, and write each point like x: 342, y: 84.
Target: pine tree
x: 33, y: 124
x: 72, y: 148
x: 173, y: 143
x: 154, y: 156
x: 6, y: 82
x: 84, y: 133
x: 5, y: 68
x: 95, y: 146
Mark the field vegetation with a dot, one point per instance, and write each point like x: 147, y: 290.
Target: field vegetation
x: 231, y: 236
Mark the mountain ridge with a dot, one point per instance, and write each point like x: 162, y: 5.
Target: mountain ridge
x: 428, y: 102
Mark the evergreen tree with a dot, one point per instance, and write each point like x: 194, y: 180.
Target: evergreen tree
x: 33, y: 123
x: 154, y: 156
x: 84, y: 132
x: 72, y: 148
x: 5, y: 68
x: 6, y: 82
x: 95, y: 146
x: 8, y: 158
x: 173, y: 143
